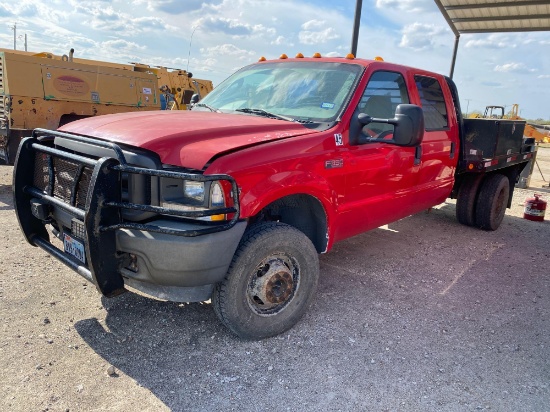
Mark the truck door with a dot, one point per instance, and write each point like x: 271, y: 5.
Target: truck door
x: 380, y: 177
x: 440, y: 143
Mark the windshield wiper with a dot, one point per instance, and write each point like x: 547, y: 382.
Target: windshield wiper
x: 212, y: 109
x: 261, y: 112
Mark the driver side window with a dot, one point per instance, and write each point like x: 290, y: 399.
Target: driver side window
x: 384, y: 92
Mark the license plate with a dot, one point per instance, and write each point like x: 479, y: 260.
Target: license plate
x: 74, y: 248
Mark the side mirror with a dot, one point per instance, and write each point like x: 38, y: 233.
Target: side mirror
x: 409, y: 125
x: 194, y: 99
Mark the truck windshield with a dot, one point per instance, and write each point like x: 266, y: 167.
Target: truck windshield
x: 299, y: 91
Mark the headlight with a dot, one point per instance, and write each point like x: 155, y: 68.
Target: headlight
x: 194, y: 190
x: 189, y: 195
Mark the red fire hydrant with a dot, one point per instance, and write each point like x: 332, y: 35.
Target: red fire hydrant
x: 535, y: 208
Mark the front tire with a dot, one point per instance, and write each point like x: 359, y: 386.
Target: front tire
x: 270, y: 282
x: 492, y: 201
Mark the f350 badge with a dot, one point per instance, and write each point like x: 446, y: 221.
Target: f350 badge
x: 334, y: 163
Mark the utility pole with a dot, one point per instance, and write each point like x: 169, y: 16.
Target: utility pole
x: 14, y: 28
x: 25, y: 41
x: 467, y: 106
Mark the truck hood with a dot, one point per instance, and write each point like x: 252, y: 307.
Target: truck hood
x: 186, y: 138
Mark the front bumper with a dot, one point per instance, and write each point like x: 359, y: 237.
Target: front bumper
x: 169, y: 256
x: 176, y: 268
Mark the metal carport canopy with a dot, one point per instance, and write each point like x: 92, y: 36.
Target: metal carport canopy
x: 493, y: 16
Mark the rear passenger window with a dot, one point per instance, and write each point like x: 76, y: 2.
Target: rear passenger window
x: 433, y: 102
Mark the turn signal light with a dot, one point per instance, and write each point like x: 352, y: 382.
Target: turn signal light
x: 283, y: 56
x: 317, y: 55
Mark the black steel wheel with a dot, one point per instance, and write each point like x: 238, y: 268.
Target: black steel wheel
x: 466, y: 200
x: 270, y: 283
x: 492, y: 201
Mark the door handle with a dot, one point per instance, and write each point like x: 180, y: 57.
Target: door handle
x: 452, y: 154
x: 417, y: 155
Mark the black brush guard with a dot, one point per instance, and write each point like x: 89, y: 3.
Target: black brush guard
x: 101, y: 215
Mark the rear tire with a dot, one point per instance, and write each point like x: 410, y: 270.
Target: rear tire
x: 270, y: 282
x: 492, y: 201
x: 466, y: 200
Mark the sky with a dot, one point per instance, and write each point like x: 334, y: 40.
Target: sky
x: 213, y: 38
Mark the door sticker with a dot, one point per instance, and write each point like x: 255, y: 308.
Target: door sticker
x: 338, y: 139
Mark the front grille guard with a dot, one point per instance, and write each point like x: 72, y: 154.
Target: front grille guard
x: 102, y: 214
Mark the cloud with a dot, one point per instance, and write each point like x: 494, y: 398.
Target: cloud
x: 543, y: 76
x: 492, y: 84
x: 513, y: 68
x: 224, y: 25
x: 494, y: 41
x: 79, y: 43
x: 6, y: 11
x: 314, y: 24
x: 149, y: 23
x: 120, y: 44
x: 109, y: 20
x: 176, y: 6
x: 27, y: 10
x: 316, y: 32
x: 404, y: 5
x: 227, y: 50
x: 281, y: 40
x: 420, y: 36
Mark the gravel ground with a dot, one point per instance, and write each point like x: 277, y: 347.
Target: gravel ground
x: 422, y: 315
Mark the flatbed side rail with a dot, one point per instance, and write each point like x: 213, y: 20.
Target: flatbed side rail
x: 479, y: 164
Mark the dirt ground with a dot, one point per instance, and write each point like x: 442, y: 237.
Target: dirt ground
x: 422, y: 315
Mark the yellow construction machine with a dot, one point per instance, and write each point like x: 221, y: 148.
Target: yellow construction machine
x: 178, y: 86
x: 44, y: 90
x: 540, y: 133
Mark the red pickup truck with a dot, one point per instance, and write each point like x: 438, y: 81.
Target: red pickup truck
x: 234, y: 200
